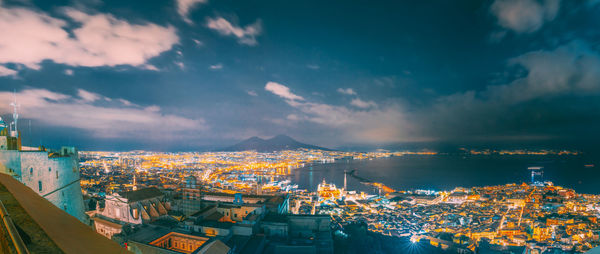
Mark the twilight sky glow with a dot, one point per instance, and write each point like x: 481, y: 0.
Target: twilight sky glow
x: 190, y: 74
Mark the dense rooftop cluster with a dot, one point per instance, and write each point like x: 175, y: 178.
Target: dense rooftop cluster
x: 539, y: 217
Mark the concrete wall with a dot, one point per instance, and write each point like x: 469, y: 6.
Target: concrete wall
x: 308, y: 226
x: 275, y: 229
x: 105, y: 230
x: 304, y: 225
x: 245, y: 230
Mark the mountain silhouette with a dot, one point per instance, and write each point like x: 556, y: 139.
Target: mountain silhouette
x: 277, y: 143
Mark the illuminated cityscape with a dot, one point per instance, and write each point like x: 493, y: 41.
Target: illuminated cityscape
x: 300, y: 127
x: 535, y: 216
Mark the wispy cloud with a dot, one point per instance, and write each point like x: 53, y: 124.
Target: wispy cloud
x: 180, y: 64
x: 198, y: 43
x: 313, y: 66
x: 282, y: 91
x: 7, y: 72
x: 184, y: 7
x: 125, y: 102
x: 367, y: 125
x: 252, y: 93
x: 524, y: 16
x: 30, y: 37
x: 246, y: 35
x: 103, y: 117
x: 88, y: 96
x: 216, y: 66
x: 347, y: 91
x: 362, y: 104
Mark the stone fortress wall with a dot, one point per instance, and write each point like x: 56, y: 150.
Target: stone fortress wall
x: 53, y: 175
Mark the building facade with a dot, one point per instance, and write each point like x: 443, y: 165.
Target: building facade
x: 191, y: 196
x: 131, y: 207
x: 53, y: 174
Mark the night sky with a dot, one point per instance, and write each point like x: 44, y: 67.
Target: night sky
x: 196, y: 74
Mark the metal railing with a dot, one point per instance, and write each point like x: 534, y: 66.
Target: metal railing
x: 12, y: 231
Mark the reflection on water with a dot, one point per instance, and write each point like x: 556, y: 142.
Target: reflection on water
x: 444, y: 172
x: 310, y: 175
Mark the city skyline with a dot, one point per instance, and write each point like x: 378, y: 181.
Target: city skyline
x: 279, y: 127
x: 201, y: 74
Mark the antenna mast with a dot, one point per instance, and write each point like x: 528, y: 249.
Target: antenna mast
x: 15, y: 132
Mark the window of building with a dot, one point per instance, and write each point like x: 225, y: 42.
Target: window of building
x: 49, y: 169
x: 40, y: 186
x: 31, y: 171
x: 56, y: 174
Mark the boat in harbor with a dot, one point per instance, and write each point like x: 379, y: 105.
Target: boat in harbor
x: 328, y: 191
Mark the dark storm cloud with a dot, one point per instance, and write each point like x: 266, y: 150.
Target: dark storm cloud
x: 559, y: 91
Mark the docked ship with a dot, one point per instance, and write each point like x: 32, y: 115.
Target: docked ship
x: 328, y: 191
x: 52, y: 174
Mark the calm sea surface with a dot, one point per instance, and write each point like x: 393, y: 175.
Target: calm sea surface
x: 445, y: 172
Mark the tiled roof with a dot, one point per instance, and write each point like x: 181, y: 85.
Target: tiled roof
x: 143, y: 194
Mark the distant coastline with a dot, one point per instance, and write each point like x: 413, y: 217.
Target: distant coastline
x: 446, y: 172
